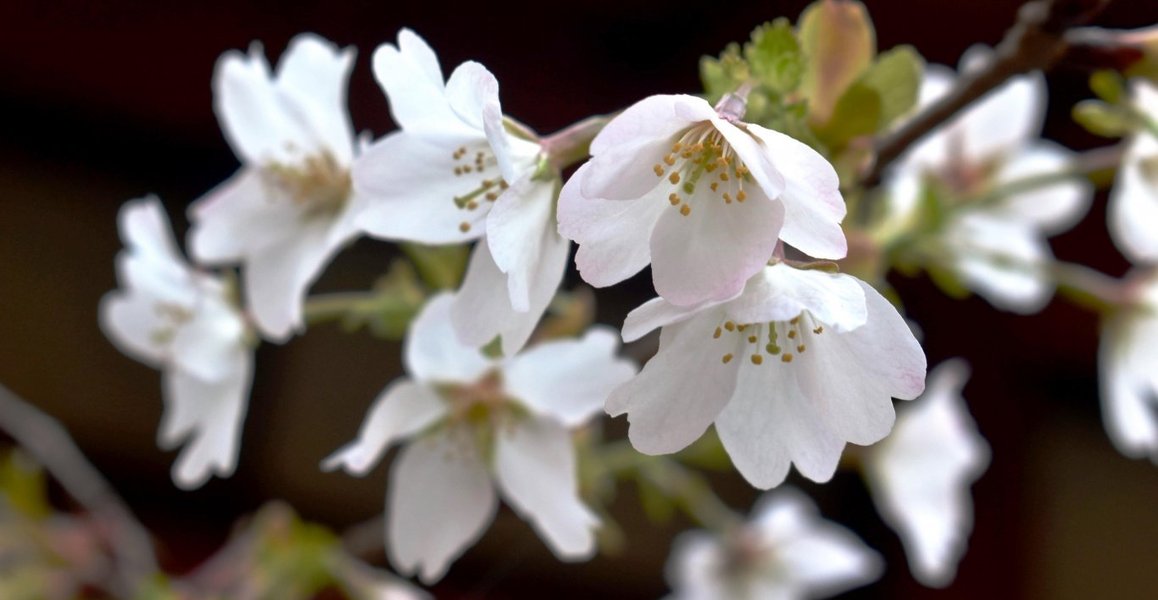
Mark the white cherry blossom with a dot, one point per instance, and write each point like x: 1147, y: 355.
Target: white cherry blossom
x: 920, y: 475
x: 787, y: 551
x: 1133, y: 210
x: 698, y: 194
x: 183, y: 322
x: 997, y: 246
x: 290, y: 208
x: 475, y: 424
x: 799, y: 363
x: 459, y: 171
x: 1128, y: 361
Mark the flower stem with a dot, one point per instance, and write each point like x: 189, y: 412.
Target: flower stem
x: 1087, y: 287
x: 334, y: 307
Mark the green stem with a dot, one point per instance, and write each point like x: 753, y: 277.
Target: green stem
x: 334, y: 307
x: 1087, y: 287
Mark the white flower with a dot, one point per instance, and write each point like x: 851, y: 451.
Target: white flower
x: 786, y: 551
x: 290, y: 207
x: 799, y: 363
x: 1133, y: 210
x: 997, y: 247
x: 700, y: 195
x: 456, y: 172
x: 920, y: 475
x: 471, y: 420
x: 174, y: 318
x: 1128, y: 361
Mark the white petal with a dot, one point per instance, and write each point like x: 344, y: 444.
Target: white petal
x: 609, y: 232
x: 404, y: 408
x: 657, y: 312
x: 479, y: 313
x: 412, y: 79
x: 1133, y: 210
x: 1002, y: 260
x: 277, y: 277
x: 313, y: 73
x: 813, y: 206
x: 920, y: 475
x: 145, y: 230
x: 755, y: 156
x: 568, y: 380
x: 205, y: 346
x: 132, y: 323
x: 1005, y: 118
x: 680, y: 390
x: 242, y: 215
x: 433, y: 353
x: 886, y: 350
x: 536, y: 472
x: 1128, y: 386
x: 1052, y: 208
x: 207, y: 418
x: 623, y: 153
x: 519, y: 228
x: 697, y: 568
x: 412, y: 192
x: 781, y: 292
x: 711, y: 252
x: 439, y: 502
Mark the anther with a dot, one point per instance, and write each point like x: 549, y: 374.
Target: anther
x: 800, y: 348
x: 792, y: 334
x: 658, y: 170
x: 472, y: 205
x: 751, y: 339
x: 730, y: 326
x: 757, y: 359
x: 669, y: 159
x: 727, y: 198
x: 772, y: 349
x: 674, y: 178
x: 727, y: 358
x: 676, y: 147
x: 819, y: 329
x: 723, y: 176
x: 786, y: 358
x: 716, y: 335
x: 674, y: 199
x: 491, y: 196
x: 464, y: 227
x: 741, y: 196
x: 715, y: 186
x: 685, y: 210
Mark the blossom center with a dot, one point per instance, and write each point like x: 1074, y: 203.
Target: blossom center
x: 702, y: 158
x: 775, y: 339
x: 318, y: 185
x: 470, y: 164
x: 170, y: 318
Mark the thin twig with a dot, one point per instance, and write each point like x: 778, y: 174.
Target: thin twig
x: 1036, y: 41
x: 49, y: 443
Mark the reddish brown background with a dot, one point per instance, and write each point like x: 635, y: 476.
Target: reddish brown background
x: 102, y: 101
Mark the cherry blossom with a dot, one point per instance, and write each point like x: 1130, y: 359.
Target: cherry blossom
x: 920, y: 475
x: 997, y: 244
x: 457, y: 171
x: 474, y: 423
x: 1133, y: 210
x: 183, y: 322
x: 290, y: 208
x: 786, y: 551
x: 1126, y: 358
x: 799, y: 363
x: 698, y: 194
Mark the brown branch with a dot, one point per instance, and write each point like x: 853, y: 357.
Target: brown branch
x: 1036, y: 41
x: 49, y: 443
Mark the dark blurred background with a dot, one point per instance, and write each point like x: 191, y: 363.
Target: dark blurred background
x: 101, y: 102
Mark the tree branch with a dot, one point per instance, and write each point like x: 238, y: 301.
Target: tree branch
x: 1036, y: 41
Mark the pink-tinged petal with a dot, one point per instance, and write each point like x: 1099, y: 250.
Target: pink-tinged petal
x: 439, y: 502
x: 1004, y: 119
x: 206, y: 417
x: 132, y: 323
x: 1051, y: 208
x: 480, y: 313
x: 411, y: 191
x: 762, y: 164
x: 612, y: 246
x: 813, y: 206
x: 519, y: 228
x: 655, y: 313
x: 816, y: 558
x: 568, y: 380
x: 769, y: 421
x: 276, y: 280
x: 412, y: 79
x: 780, y: 293
x: 433, y: 353
x: 1002, y: 260
x: 681, y: 390
x: 535, y: 468
x: 845, y: 394
x: 920, y: 475
x: 403, y: 409
x: 625, y: 152
x: 709, y: 253
x: 886, y: 350
x: 313, y: 75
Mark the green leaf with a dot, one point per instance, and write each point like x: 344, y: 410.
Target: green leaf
x: 774, y: 56
x: 1108, y: 85
x: 723, y: 75
x: 839, y: 43
x: 896, y: 77
x: 655, y: 503
x: 1103, y: 119
x: 857, y: 113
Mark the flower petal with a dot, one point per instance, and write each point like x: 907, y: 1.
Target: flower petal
x: 1128, y: 385
x: 404, y: 408
x: 276, y: 279
x: 568, y: 380
x: 206, y: 345
x: 131, y: 322
x: 813, y: 206
x: 519, y: 229
x: 657, y: 312
x: 1051, y: 208
x: 1133, y: 210
x: 1004, y: 119
x: 680, y: 390
x: 412, y: 79
x: 244, y: 214
x: 1003, y: 260
x: 535, y: 468
x: 314, y: 73
x: 433, y: 353
x: 755, y: 156
x: 709, y: 253
x: 920, y: 475
x: 439, y: 502
x: 781, y: 292
x: 609, y: 232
